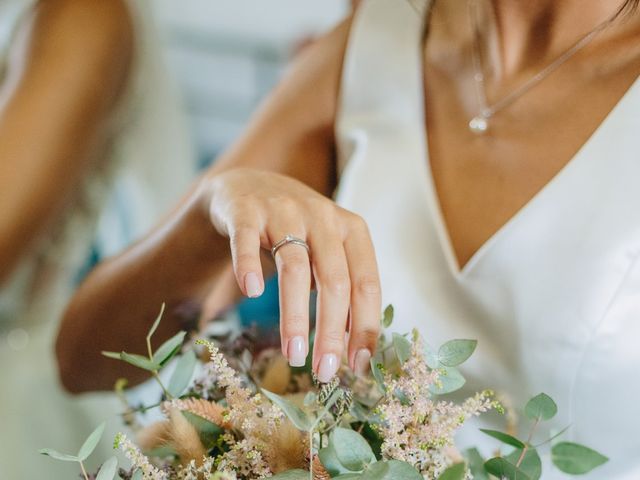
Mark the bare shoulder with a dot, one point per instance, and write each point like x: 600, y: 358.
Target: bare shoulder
x: 314, y: 78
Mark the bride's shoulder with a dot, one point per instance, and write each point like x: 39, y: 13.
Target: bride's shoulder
x: 313, y: 81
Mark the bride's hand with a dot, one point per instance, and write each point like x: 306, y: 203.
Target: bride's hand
x: 256, y: 209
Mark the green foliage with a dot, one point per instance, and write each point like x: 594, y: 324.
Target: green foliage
x: 387, y: 316
x: 456, y: 352
x: 504, y: 438
x: 182, y: 374
x: 530, y: 463
x: 168, y: 349
x: 91, y: 443
x: 209, y: 432
x: 377, y: 364
x: 576, y: 459
x: 156, y: 323
x: 140, y: 361
x: 450, y: 380
x: 351, y: 449
x: 454, y: 472
x: 300, y: 419
x: 108, y: 469
x: 330, y: 460
x: 391, y: 470
x: 292, y: 475
x: 58, y: 456
x: 541, y: 407
x: 402, y: 347
x: 476, y: 464
x: 502, y: 468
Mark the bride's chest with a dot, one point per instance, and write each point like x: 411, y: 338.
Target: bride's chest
x: 483, y: 181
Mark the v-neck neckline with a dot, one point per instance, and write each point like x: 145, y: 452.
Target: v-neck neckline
x: 461, y: 271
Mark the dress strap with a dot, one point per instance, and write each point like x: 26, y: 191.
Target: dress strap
x: 382, y: 70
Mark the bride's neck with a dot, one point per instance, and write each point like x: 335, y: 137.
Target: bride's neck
x: 523, y: 32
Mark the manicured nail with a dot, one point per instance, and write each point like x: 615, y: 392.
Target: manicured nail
x: 328, y: 367
x: 361, y: 361
x: 252, y: 285
x: 297, y: 352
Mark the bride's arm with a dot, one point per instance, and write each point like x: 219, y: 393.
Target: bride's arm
x: 66, y: 69
x: 186, y: 257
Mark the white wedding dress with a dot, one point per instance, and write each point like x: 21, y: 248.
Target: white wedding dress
x: 146, y: 167
x: 553, y: 297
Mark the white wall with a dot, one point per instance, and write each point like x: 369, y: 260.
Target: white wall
x: 226, y: 54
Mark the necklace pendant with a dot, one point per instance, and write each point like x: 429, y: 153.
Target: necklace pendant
x: 479, y: 124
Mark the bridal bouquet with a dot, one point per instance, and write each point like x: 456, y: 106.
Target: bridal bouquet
x: 248, y: 415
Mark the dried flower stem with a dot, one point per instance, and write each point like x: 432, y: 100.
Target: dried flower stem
x: 84, y: 471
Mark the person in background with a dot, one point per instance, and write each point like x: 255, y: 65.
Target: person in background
x: 92, y: 148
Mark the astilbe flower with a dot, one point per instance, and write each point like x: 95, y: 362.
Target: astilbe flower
x: 257, y: 422
x: 138, y: 459
x: 415, y: 427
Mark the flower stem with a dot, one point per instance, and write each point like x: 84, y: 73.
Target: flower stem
x: 84, y: 472
x: 164, y: 390
x: 526, y: 445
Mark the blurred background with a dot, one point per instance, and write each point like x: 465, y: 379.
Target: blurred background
x: 227, y: 54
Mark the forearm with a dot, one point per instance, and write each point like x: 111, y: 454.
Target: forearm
x: 114, y: 308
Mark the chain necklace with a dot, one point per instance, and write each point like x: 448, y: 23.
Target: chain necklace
x: 480, y: 123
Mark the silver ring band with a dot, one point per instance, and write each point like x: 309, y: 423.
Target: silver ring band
x: 289, y: 239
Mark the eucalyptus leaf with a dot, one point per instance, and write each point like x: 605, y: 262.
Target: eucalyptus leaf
x: 391, y: 470
x: 476, y: 464
x: 300, y: 419
x: 387, y: 316
x: 359, y: 412
x: 309, y: 399
x: 456, y: 352
x: 402, y: 347
x: 431, y: 357
x: 454, y: 472
x: 500, y: 467
x: 541, y: 407
x: 376, y: 365
x: 114, y: 355
x: 450, y: 380
x: 349, y: 476
x: 58, y: 456
x: 169, y: 348
x: 91, y: 443
x: 156, y: 323
x: 352, y: 450
x: 182, y: 374
x: 137, y: 475
x: 139, y: 361
x: 292, y: 475
x: 576, y: 459
x: 208, y: 431
x: 531, y: 464
x: 503, y: 437
x: 108, y: 469
x: 330, y: 461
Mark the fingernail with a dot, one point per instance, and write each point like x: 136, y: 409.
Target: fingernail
x: 361, y: 361
x: 297, y: 352
x: 252, y: 285
x: 328, y: 367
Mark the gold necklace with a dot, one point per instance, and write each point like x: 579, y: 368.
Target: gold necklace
x: 480, y: 123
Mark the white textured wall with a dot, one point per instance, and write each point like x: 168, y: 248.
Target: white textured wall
x: 226, y: 54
